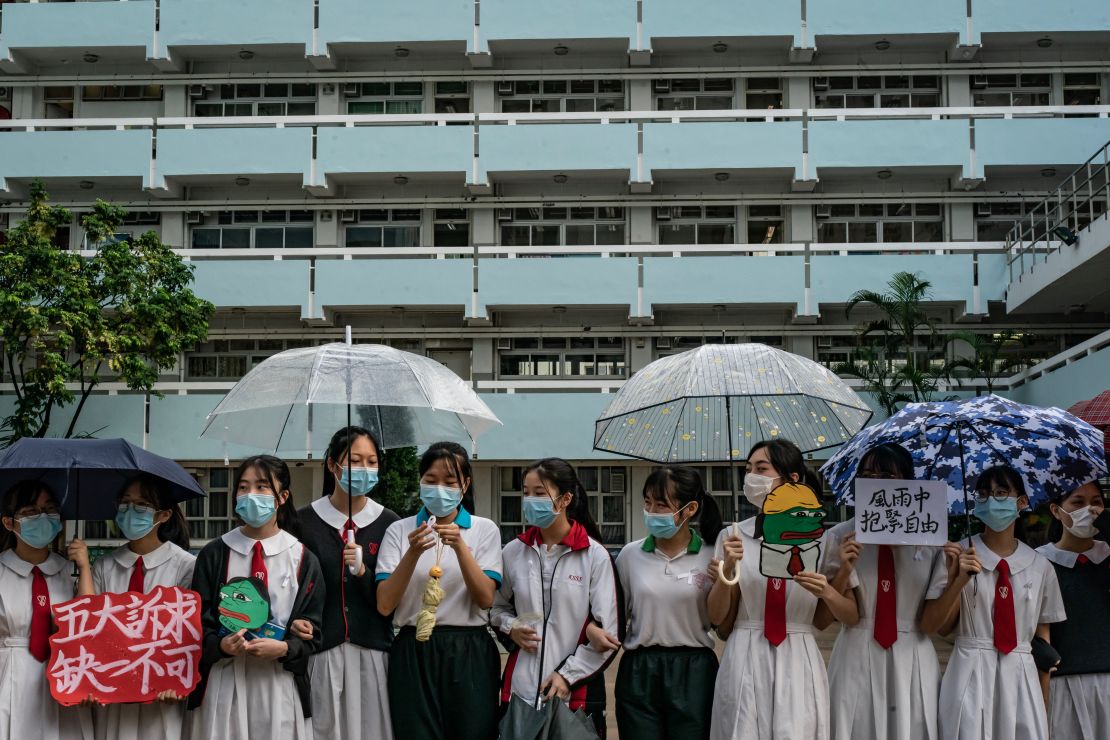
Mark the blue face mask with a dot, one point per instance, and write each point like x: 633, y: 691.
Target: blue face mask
x: 135, y: 521
x: 998, y: 515
x: 362, y: 480
x: 39, y: 530
x: 255, y: 509
x: 539, y: 511
x: 440, y: 500
x: 661, y: 526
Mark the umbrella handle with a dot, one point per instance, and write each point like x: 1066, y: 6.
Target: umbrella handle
x: 735, y: 577
x: 356, y: 566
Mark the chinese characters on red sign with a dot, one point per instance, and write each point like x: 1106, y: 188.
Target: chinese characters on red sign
x: 131, y: 647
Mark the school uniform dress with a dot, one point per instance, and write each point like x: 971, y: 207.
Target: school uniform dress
x: 665, y: 679
x: 1079, y: 693
x: 877, y: 691
x: 27, y: 710
x: 561, y: 590
x: 987, y: 694
x: 349, y: 675
x: 168, y: 565
x: 245, y: 697
x: 445, y: 688
x: 766, y: 691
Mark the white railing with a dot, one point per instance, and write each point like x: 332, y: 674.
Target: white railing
x: 1078, y: 352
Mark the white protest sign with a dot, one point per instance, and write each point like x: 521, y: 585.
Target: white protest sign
x: 901, y: 512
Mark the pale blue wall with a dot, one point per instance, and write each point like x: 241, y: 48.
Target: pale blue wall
x: 238, y: 23
x: 889, y: 144
x: 81, y: 25
x: 400, y: 282
x: 567, y: 19
x: 90, y: 154
x: 1033, y: 141
x: 835, y: 278
x: 723, y: 145
x: 874, y: 17
x: 253, y: 283
x: 543, y: 282
x: 543, y: 425
x: 702, y: 280
x: 721, y: 18
x: 1037, y: 16
x: 369, y: 149
x: 533, y: 147
x: 234, y: 151
x: 1085, y: 378
x: 395, y: 21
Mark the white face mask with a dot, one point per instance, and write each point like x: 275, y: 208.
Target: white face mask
x: 1082, y: 523
x: 757, y: 487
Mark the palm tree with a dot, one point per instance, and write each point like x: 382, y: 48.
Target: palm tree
x: 993, y: 357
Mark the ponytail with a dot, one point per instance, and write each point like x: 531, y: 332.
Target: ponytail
x: 277, y: 471
x: 176, y: 528
x: 560, y: 474
x: 678, y: 486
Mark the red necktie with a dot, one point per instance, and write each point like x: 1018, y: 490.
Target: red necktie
x: 136, y: 582
x: 774, y: 611
x: 258, y: 564
x: 1082, y: 560
x: 1005, y: 632
x: 40, y: 616
x: 886, y: 606
x: 795, y: 566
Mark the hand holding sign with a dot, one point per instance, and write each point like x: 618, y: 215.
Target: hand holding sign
x: 901, y: 512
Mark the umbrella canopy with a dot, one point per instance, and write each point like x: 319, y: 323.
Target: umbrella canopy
x: 714, y: 402
x: 1054, y: 452
x: 289, y: 400
x: 87, y: 475
x: 1096, y: 412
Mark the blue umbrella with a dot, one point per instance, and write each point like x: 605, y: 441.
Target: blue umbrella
x: 88, y: 474
x: 955, y: 441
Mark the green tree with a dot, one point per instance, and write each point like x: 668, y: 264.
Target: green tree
x: 402, y: 481
x: 993, y: 357
x: 64, y: 318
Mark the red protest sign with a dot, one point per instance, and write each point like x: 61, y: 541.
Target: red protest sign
x: 120, y: 648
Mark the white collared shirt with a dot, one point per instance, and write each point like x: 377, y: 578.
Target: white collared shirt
x: 1096, y: 553
x: 282, y: 554
x: 333, y: 517
x: 167, y: 565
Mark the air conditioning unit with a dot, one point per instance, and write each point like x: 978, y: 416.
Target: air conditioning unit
x: 328, y: 88
x: 662, y: 213
x: 194, y: 217
x: 327, y: 216
x: 824, y: 342
x: 5, y: 93
x: 350, y: 89
x: 505, y: 88
x: 663, y: 343
x: 820, y: 84
x: 348, y: 217
x: 504, y: 343
x: 978, y: 82
x: 982, y: 210
x: 198, y: 92
x: 504, y: 214
x: 822, y: 211
x: 616, y: 482
x: 661, y: 86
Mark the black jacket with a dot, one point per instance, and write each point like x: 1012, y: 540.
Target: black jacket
x: 210, y: 573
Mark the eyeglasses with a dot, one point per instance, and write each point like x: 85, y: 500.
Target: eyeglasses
x: 24, y: 513
x: 1000, y: 495
x: 876, y: 475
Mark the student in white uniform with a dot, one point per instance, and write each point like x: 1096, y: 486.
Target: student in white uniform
x: 32, y: 577
x: 444, y: 688
x: 258, y: 687
x: 772, y: 682
x: 156, y: 555
x: 664, y: 687
x: 1079, y: 692
x: 349, y: 674
x: 558, y: 577
x: 1000, y: 593
x: 884, y: 676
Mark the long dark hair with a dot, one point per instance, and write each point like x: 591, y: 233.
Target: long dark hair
x: 24, y: 493
x: 175, y: 529
x: 340, y: 443
x: 678, y: 485
x: 888, y: 458
x: 786, y: 458
x: 277, y: 471
x: 560, y: 473
x: 455, y: 456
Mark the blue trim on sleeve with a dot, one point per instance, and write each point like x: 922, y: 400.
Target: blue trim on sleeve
x: 494, y: 575
x: 378, y: 578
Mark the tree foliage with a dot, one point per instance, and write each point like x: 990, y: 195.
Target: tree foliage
x: 402, y: 481
x: 992, y: 358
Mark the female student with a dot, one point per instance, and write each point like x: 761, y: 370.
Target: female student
x: 156, y: 554
x: 257, y: 686
x: 32, y: 577
x: 772, y: 681
x: 558, y: 577
x: 883, y: 673
x: 1000, y: 593
x: 445, y: 686
x: 1079, y: 688
x: 665, y: 680
x: 349, y: 695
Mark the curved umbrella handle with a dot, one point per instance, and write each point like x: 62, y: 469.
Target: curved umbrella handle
x: 735, y: 578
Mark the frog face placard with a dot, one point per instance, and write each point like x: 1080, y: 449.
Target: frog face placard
x: 244, y: 604
x: 792, y: 527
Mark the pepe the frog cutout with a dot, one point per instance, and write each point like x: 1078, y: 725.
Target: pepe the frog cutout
x: 792, y: 527
x: 244, y: 604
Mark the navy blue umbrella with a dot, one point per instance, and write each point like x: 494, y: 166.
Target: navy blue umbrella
x: 87, y: 475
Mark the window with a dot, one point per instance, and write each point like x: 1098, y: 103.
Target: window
x: 709, y: 94
x: 121, y: 92
x: 255, y: 229
x: 877, y: 91
x: 382, y: 227
x: 452, y: 97
x: 718, y: 485
x: 696, y: 224
x: 258, y: 99
x: 874, y: 222
x: 211, y: 516
x: 451, y: 227
x: 552, y: 227
x: 1082, y: 89
x: 836, y: 350
x: 763, y: 93
x: 577, y: 357
x: 394, y: 98
x: 765, y: 225
x: 993, y: 221
x: 560, y: 96
x: 1011, y: 90
x: 231, y: 359
x: 57, y: 102
x: 606, y: 490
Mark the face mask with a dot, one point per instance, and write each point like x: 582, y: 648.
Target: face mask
x: 440, y: 500
x: 362, y: 480
x: 135, y: 521
x: 1082, y: 523
x: 997, y: 514
x: 661, y: 526
x: 255, y: 509
x: 757, y: 487
x: 539, y: 511
x: 39, y: 530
